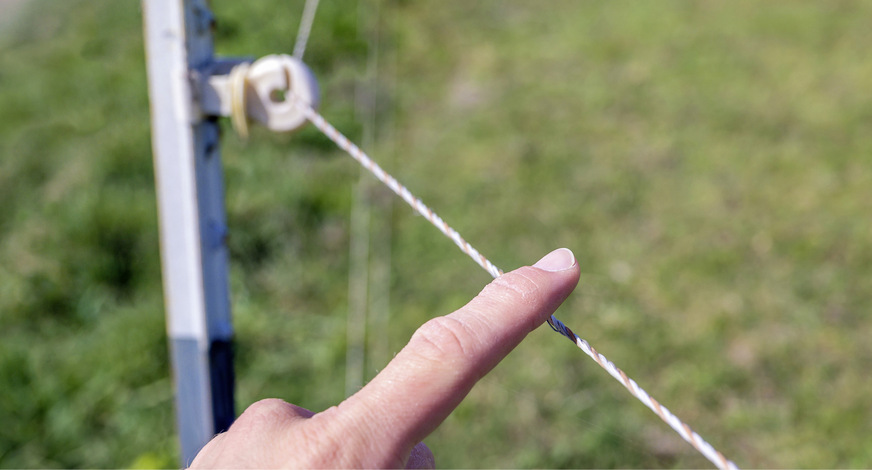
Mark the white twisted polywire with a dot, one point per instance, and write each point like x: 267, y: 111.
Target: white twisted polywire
x: 391, y: 182
x: 355, y: 152
x: 680, y: 427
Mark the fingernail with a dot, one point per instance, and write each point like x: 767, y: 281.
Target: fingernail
x: 558, y: 260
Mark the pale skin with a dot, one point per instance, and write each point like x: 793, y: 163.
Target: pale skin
x: 384, y: 423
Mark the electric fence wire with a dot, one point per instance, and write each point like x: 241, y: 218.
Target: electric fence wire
x: 359, y: 259
x: 305, y: 28
x: 364, y: 160
x: 369, y: 237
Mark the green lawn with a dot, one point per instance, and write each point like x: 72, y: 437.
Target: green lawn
x: 710, y: 164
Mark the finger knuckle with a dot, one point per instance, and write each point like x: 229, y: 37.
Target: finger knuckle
x: 267, y: 412
x: 443, y: 339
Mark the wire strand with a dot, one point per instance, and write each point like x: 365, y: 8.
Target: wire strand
x: 355, y: 152
x: 305, y: 28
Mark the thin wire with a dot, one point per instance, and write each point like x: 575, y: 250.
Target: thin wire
x: 305, y: 28
x: 395, y: 186
x: 361, y: 264
x: 380, y: 209
x: 354, y: 151
x: 358, y: 288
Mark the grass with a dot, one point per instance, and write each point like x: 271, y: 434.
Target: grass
x: 709, y: 165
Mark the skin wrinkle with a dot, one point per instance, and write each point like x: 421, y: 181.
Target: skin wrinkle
x: 475, y: 324
x: 324, y: 432
x: 470, y: 340
x: 394, y: 453
x: 308, y: 436
x: 443, y: 340
x: 282, y: 416
x: 518, y: 288
x: 349, y: 415
x: 343, y: 451
x: 521, y: 286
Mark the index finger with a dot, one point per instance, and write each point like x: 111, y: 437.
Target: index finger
x: 448, y: 355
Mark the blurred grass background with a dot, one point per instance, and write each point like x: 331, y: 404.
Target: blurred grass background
x: 709, y: 164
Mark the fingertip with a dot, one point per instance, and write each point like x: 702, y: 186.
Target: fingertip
x: 562, y: 270
x: 558, y: 260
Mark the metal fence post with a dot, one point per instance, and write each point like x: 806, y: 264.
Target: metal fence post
x: 190, y: 191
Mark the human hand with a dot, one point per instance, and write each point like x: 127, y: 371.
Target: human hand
x: 383, y: 424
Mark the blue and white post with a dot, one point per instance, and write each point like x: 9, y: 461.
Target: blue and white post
x: 190, y: 192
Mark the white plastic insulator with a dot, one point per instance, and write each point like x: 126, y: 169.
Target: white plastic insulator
x: 276, y: 81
